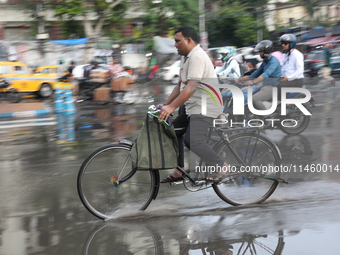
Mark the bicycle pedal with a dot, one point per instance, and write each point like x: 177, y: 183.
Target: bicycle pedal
x: 175, y: 183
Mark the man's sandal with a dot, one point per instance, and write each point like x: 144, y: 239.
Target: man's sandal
x: 171, y: 178
x: 217, y: 177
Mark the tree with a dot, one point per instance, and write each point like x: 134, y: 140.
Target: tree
x: 164, y: 17
x: 73, y: 11
x: 232, y: 25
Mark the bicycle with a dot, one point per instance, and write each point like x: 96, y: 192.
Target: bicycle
x: 107, y: 184
x: 152, y: 239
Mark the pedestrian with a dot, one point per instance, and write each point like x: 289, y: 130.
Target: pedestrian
x: 115, y: 67
x: 292, y: 63
x: 196, y: 73
x: 326, y: 70
x: 268, y: 73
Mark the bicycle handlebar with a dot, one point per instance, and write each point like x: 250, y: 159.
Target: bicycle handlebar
x: 152, y: 112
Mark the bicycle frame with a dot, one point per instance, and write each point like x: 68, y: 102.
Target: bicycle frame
x: 220, y: 132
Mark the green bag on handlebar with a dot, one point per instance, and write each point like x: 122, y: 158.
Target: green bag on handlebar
x: 156, y: 146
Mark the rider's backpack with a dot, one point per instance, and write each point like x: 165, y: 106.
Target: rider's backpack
x: 156, y: 146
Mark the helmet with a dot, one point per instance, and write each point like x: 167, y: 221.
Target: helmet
x: 252, y: 59
x: 289, y: 38
x: 266, y: 46
x: 228, y: 51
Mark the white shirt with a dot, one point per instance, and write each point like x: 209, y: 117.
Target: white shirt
x: 197, y: 66
x: 293, y: 65
x: 230, y: 69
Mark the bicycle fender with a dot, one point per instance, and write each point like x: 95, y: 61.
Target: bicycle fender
x: 126, y: 142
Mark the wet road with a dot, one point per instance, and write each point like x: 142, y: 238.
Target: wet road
x: 42, y: 214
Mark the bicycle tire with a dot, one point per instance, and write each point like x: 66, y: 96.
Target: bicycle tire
x: 97, y: 188
x: 123, y: 238
x: 302, y: 124
x: 260, y: 244
x: 246, y: 187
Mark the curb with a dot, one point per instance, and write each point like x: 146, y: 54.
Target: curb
x: 32, y: 113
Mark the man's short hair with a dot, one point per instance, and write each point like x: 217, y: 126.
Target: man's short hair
x: 189, y: 32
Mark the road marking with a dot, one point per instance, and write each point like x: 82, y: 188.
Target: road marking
x: 27, y: 120
x: 28, y: 123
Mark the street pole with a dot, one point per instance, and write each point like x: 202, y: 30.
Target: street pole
x: 202, y: 31
x: 41, y: 36
x: 259, y: 24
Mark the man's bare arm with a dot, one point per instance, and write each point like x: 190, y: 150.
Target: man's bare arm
x: 174, y: 94
x: 183, y: 96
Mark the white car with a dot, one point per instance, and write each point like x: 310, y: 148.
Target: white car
x: 171, y: 73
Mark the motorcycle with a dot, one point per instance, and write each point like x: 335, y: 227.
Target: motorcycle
x: 294, y: 122
x: 86, y: 89
x: 8, y: 93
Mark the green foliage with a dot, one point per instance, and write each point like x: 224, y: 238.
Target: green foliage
x: 162, y: 18
x: 70, y: 9
x: 247, y: 3
x: 72, y: 28
x: 231, y: 25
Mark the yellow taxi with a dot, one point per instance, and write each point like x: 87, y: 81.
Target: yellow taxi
x: 52, y: 70
x: 24, y: 80
x: 55, y: 71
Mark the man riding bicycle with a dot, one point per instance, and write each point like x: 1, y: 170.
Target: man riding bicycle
x: 196, y: 75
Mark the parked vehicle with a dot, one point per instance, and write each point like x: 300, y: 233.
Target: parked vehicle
x: 7, y: 93
x: 52, y: 69
x: 335, y: 64
x: 171, y: 73
x: 313, y: 63
x: 23, y: 80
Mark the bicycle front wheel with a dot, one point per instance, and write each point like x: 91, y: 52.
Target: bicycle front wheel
x: 98, y: 189
x: 252, y: 160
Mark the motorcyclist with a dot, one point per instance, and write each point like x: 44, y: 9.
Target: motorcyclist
x: 268, y: 73
x: 85, y: 83
x: 292, y: 62
x: 230, y: 67
x: 251, y: 62
x: 87, y: 69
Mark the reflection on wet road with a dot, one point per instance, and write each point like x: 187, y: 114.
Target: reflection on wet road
x: 42, y: 214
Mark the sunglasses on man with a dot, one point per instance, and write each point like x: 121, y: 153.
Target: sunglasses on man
x: 284, y: 43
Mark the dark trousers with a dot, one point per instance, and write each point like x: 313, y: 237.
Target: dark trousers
x: 192, y: 131
x: 298, y: 83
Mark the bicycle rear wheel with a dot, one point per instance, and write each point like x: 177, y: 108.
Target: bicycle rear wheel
x: 255, y: 181
x: 97, y: 188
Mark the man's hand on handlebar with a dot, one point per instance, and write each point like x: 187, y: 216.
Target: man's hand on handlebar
x: 283, y: 78
x: 248, y: 83
x: 165, y: 112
